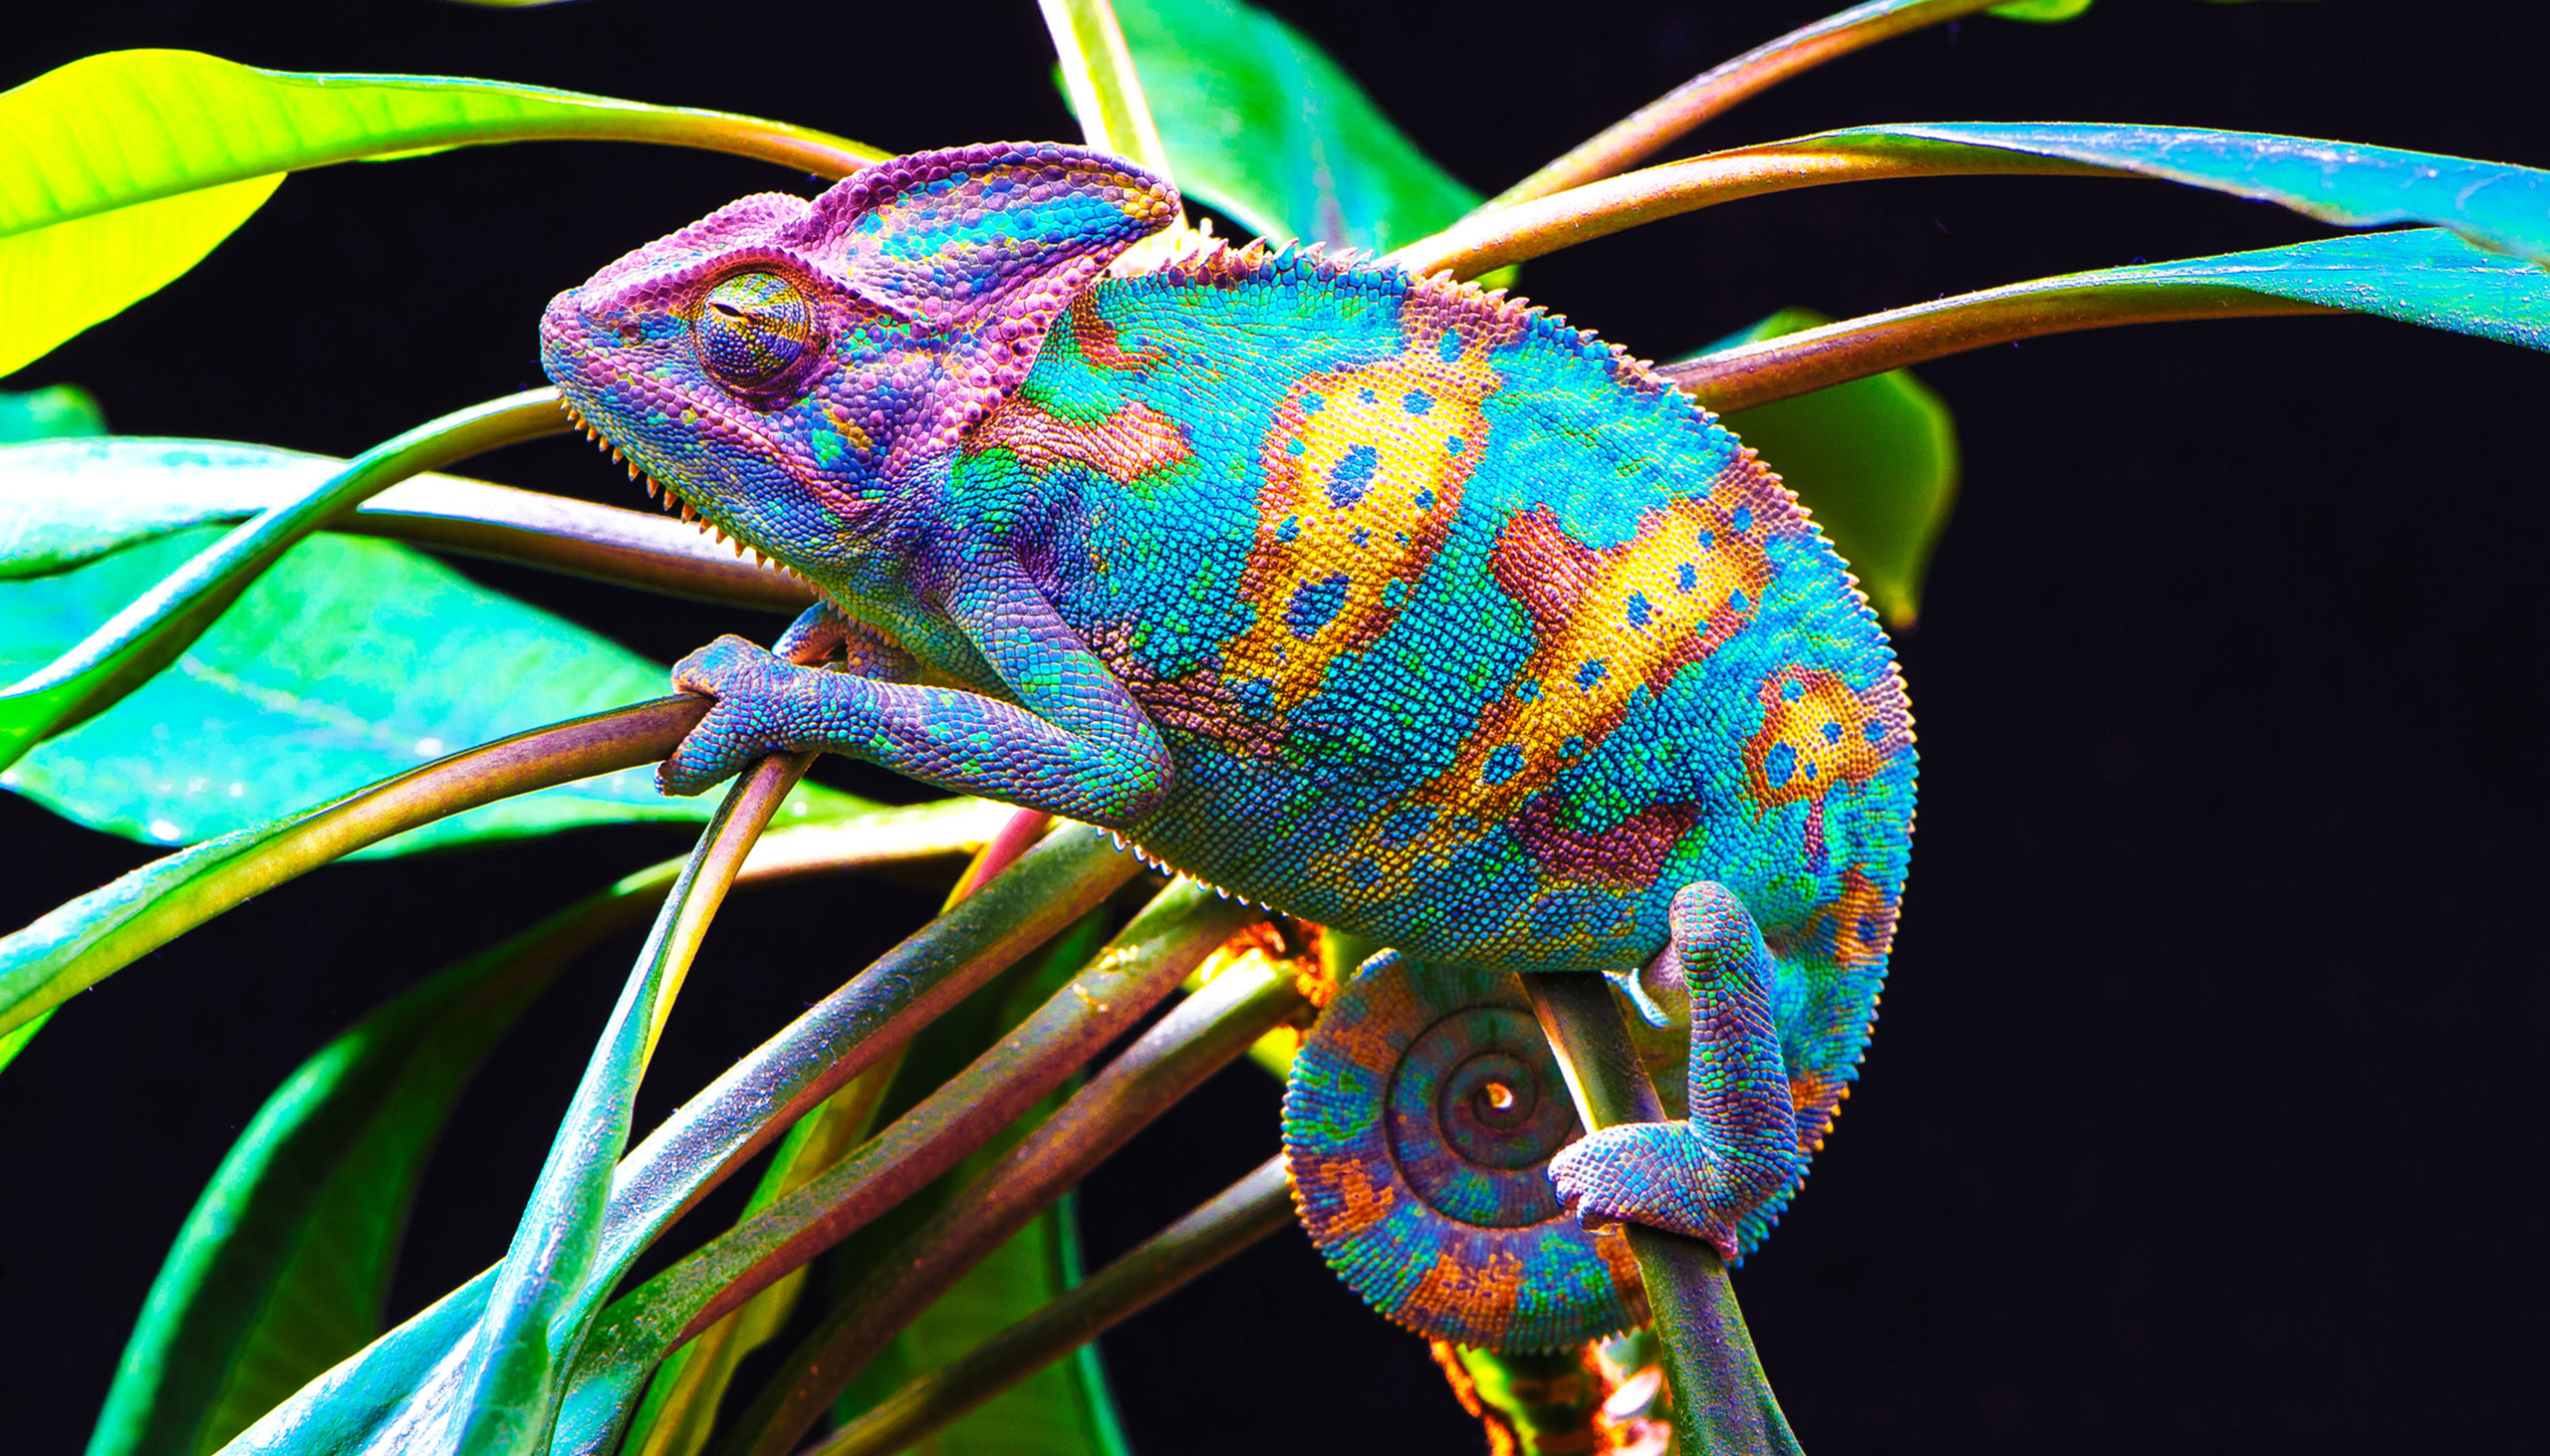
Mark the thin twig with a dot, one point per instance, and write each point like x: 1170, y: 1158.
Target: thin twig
x: 1489, y: 240
x: 1203, y: 1034
x: 1722, y: 1403
x: 1232, y: 1220
x: 1816, y: 358
x: 1667, y: 120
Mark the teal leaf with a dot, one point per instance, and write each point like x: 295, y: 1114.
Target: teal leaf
x: 1259, y: 122
x: 349, y: 660
x: 2494, y: 204
x: 56, y: 411
x: 67, y: 503
x: 283, y: 1268
x: 1875, y: 460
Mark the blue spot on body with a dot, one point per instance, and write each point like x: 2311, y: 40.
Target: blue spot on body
x: 1295, y: 446
x: 1501, y: 764
x: 1363, y: 537
x: 1875, y: 732
x: 1291, y: 527
x: 1741, y: 517
x: 1372, y: 398
x: 1425, y: 500
x: 1738, y: 601
x: 1354, y: 476
x: 1707, y: 539
x: 1313, y: 405
x: 1778, y: 764
x: 1638, y: 612
x: 1313, y: 604
x: 1454, y: 445
x: 1405, y: 826
x: 1591, y: 672
x: 1688, y: 579
x: 1450, y: 349
x: 1792, y: 690
x: 1417, y: 401
x: 1832, y: 731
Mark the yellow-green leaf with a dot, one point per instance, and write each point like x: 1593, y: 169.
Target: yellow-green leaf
x: 162, y: 153
x: 61, y: 279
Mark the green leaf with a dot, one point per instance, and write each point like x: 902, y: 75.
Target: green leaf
x: 2042, y: 11
x: 283, y: 1269
x: 1259, y: 122
x: 125, y: 168
x: 351, y: 660
x: 152, y: 630
x: 15, y: 1041
x: 1875, y: 460
x: 64, y: 503
x: 56, y: 411
x: 59, y: 280
x: 2494, y: 204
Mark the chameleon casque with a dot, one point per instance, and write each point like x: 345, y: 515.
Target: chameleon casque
x: 1388, y: 603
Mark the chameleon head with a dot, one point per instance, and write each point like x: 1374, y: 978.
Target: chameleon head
x: 791, y: 369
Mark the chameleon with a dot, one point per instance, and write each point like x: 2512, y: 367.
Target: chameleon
x: 1390, y: 604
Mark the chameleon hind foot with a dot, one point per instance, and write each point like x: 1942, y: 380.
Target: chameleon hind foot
x: 1737, y: 1153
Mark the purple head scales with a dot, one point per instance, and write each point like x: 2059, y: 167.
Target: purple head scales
x: 789, y: 369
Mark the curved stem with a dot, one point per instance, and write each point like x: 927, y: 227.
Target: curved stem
x: 557, y: 1272
x: 1723, y: 1403
x: 147, y: 635
x: 1106, y: 93
x: 1203, y: 1034
x: 91, y: 937
x: 1667, y: 120
x: 1491, y: 240
x: 1815, y: 359
x: 1230, y: 1221
x: 869, y: 1019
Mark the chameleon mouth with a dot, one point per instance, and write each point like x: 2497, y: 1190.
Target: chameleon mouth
x: 675, y: 503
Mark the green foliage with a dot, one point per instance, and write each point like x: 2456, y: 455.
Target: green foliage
x: 1875, y: 460
x: 351, y: 660
x: 1261, y: 124
x: 126, y: 168
x: 55, y: 411
x: 283, y: 1268
x: 2043, y: 11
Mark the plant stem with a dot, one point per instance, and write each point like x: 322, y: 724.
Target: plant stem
x: 1661, y: 123
x: 135, y: 643
x: 552, y: 1283
x: 1232, y: 1220
x: 1815, y: 359
x: 97, y: 934
x: 1106, y: 93
x: 1491, y: 240
x: 1203, y: 1034
x: 715, y: 1133
x: 1723, y: 1403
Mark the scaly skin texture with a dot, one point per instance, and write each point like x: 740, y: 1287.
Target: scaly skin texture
x: 1392, y: 604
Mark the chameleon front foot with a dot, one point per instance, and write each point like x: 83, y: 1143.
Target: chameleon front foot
x: 1736, y: 1155
x: 761, y: 709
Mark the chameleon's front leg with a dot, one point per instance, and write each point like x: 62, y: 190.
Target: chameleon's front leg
x: 1738, y: 1151
x: 1075, y: 743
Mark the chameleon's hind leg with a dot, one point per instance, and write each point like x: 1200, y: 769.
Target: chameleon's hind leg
x: 1738, y: 1151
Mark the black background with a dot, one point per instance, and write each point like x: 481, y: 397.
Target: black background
x: 2198, y: 1116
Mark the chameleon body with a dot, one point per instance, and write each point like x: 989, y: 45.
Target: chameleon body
x: 1388, y: 602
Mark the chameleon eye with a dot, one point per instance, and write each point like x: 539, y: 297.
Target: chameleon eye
x: 751, y: 329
